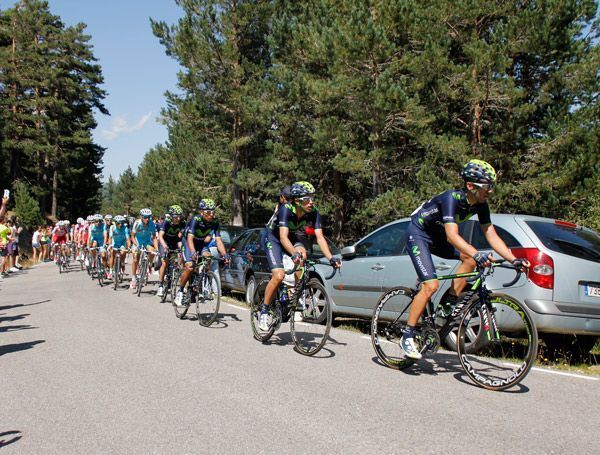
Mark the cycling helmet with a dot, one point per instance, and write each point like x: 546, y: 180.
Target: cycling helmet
x: 119, y: 219
x: 146, y: 212
x: 97, y: 217
x: 175, y: 210
x: 60, y: 223
x: 80, y: 220
x: 478, y: 171
x: 108, y: 217
x: 207, y: 204
x: 300, y: 189
x: 67, y: 223
x: 90, y: 218
x: 285, y: 192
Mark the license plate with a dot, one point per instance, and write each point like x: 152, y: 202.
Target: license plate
x: 592, y: 291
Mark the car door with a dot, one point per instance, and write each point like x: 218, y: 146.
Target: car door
x: 233, y: 273
x: 359, y: 284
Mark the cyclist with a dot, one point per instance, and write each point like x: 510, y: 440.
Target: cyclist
x: 170, y: 233
x: 434, y: 230
x: 296, y: 223
x: 143, y: 235
x: 118, y: 240
x: 96, y: 238
x: 59, y: 237
x: 196, y: 238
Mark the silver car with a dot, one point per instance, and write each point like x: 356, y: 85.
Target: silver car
x: 562, y: 291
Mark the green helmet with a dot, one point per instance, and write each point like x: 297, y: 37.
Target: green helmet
x: 207, y: 204
x: 300, y: 189
x: 478, y: 171
x: 175, y: 210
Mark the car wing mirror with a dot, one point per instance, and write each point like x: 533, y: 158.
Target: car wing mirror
x: 348, y: 252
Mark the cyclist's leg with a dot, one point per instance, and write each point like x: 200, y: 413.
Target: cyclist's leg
x: 275, y: 259
x: 164, y: 262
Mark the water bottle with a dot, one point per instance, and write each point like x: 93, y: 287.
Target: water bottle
x: 283, y: 294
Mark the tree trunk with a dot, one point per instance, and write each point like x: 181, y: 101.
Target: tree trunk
x: 54, y: 191
x: 236, y: 165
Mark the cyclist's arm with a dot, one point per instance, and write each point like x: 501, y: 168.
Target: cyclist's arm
x: 161, y: 239
x: 220, y: 246
x: 190, y: 242
x: 497, y: 243
x: 323, y: 244
x: 455, y: 239
x: 285, y: 240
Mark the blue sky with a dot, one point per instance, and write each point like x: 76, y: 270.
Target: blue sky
x: 136, y: 72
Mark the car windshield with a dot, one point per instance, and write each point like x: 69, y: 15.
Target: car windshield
x: 573, y: 241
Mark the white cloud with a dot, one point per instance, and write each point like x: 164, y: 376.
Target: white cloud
x: 119, y: 126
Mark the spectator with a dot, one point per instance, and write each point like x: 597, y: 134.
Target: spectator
x: 17, y: 229
x: 5, y: 232
x: 37, y: 245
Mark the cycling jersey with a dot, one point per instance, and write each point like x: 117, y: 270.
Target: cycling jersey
x: 144, y: 232
x: 59, y: 231
x: 119, y: 236
x: 171, y: 232
x: 300, y: 228
x: 200, y: 229
x: 426, y: 234
x: 96, y: 234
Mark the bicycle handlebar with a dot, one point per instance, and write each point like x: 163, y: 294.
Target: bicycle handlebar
x: 312, y: 263
x: 498, y: 263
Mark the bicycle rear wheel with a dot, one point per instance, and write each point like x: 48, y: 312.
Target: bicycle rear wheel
x: 257, y: 301
x: 166, y: 284
x: 207, y: 303
x: 387, y: 327
x: 311, y: 320
x: 509, y: 348
x: 175, y: 273
x: 100, y: 273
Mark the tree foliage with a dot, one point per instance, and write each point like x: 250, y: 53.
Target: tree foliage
x: 379, y: 104
x: 49, y: 88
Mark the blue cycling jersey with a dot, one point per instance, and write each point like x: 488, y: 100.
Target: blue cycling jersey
x: 97, y: 232
x: 144, y: 232
x: 119, y: 234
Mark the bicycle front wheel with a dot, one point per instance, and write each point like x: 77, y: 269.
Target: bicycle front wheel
x: 207, y: 303
x: 142, y: 275
x: 387, y: 327
x: 311, y: 320
x: 507, y: 352
x: 116, y: 272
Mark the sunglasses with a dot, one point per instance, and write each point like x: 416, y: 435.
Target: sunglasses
x: 306, y: 199
x: 484, y: 186
x: 208, y: 212
x: 147, y: 217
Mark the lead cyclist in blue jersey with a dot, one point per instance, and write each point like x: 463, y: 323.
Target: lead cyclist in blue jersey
x: 434, y: 230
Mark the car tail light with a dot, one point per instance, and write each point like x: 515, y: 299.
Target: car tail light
x: 565, y: 224
x: 541, y: 271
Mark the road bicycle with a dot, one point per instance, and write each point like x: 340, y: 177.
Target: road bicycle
x: 141, y: 275
x: 117, y: 268
x: 305, y: 305
x: 203, y: 289
x: 171, y: 275
x: 496, y: 337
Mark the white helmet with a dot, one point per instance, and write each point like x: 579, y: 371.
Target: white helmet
x: 97, y: 217
x: 80, y: 220
x: 67, y: 223
x: 119, y: 219
x: 146, y: 212
x: 60, y: 223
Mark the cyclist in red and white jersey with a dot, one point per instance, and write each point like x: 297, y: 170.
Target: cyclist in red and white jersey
x: 59, y: 237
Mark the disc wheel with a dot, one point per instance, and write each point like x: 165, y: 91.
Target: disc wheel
x: 508, y: 353
x: 257, y: 301
x: 311, y: 320
x: 209, y: 300
x: 387, y: 325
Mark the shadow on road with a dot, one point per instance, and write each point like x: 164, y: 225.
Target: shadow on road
x: 8, y: 437
x: 15, y: 328
x: 8, y: 348
x: 13, y: 318
x: 8, y: 307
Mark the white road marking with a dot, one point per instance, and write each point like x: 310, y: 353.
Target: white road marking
x: 238, y: 307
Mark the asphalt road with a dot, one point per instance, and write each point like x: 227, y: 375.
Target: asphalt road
x: 91, y: 370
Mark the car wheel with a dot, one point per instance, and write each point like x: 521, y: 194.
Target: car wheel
x: 250, y: 288
x: 571, y: 348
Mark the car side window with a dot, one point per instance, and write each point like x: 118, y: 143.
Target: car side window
x: 385, y: 242
x: 480, y: 242
x: 252, y: 246
x: 239, y: 242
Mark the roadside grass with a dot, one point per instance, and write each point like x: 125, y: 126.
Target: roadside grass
x: 362, y: 326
